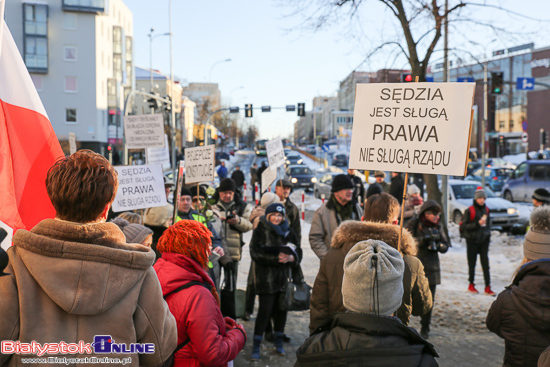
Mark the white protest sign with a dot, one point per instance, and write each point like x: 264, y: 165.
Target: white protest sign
x: 159, y: 155
x: 275, y: 152
x: 199, y: 164
x: 72, y: 143
x: 268, y: 176
x: 144, y: 131
x: 417, y: 127
x: 139, y: 187
x: 6, y: 242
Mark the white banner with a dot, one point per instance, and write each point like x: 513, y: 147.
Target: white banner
x: 268, y: 176
x: 144, y: 131
x: 72, y: 143
x: 199, y: 164
x: 159, y: 155
x: 139, y: 187
x: 416, y: 127
x: 275, y: 152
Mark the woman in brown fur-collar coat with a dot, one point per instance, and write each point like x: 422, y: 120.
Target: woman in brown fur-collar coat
x: 381, y: 213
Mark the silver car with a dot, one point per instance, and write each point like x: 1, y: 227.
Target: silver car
x: 504, y: 214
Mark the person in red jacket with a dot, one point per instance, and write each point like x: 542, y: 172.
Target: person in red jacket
x: 205, y: 338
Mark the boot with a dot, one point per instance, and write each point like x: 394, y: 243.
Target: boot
x: 279, y: 343
x: 255, y: 356
x: 472, y: 288
x: 425, y: 332
x: 488, y: 291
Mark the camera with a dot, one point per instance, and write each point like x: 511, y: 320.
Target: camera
x: 230, y: 215
x: 432, y: 238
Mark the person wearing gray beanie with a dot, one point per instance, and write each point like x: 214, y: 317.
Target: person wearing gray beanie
x: 135, y: 233
x: 520, y: 314
x: 368, y: 334
x: 373, y: 278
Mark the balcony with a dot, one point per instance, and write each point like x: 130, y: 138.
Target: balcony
x: 85, y: 6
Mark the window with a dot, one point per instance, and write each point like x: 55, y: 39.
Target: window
x: 540, y: 172
x: 36, y: 37
x: 117, y: 40
x: 117, y: 67
x: 511, y: 127
x: 88, y: 6
x: 520, y: 171
x: 69, y: 53
x: 129, y: 49
x: 70, y: 84
x: 70, y: 115
x: 501, y: 125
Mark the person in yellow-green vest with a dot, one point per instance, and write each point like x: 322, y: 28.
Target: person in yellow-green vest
x: 186, y: 211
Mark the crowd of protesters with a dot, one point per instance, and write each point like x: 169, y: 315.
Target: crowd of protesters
x: 155, y: 277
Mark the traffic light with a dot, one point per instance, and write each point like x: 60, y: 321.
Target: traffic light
x: 234, y: 109
x: 109, y: 148
x: 543, y: 138
x: 153, y: 103
x: 496, y: 82
x: 301, y: 109
x: 248, y: 110
x: 266, y: 108
x: 406, y: 77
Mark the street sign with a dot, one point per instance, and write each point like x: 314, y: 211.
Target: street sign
x: 275, y: 152
x: 199, y: 164
x: 72, y: 143
x: 325, y: 148
x: 525, y: 83
x: 144, y: 131
x: 429, y: 79
x: 524, y: 137
x: 159, y: 155
x: 139, y: 187
x: 415, y: 127
x: 465, y: 79
x: 524, y: 125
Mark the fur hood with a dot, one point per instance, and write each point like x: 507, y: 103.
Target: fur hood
x: 350, y: 232
x: 540, y: 219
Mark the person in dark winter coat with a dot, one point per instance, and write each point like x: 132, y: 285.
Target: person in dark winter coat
x: 261, y: 170
x: 520, y: 314
x: 274, y: 253
x: 205, y: 338
x: 283, y: 189
x: 477, y: 232
x: 368, y: 334
x: 381, y: 215
x: 431, y: 239
x: 238, y: 178
x: 396, y: 186
x: 373, y: 189
x: 358, y: 188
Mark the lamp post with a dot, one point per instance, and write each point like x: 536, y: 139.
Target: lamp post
x: 151, y: 38
x: 172, y: 112
x: 214, y: 64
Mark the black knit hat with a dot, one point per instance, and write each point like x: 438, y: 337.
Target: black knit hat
x: 341, y: 182
x: 185, y: 191
x: 374, y: 189
x: 227, y: 184
x: 542, y: 195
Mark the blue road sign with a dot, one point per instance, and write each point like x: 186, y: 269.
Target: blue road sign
x: 465, y: 79
x: 525, y: 83
x: 430, y: 79
x: 325, y: 148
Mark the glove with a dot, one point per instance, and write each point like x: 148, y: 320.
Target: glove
x: 229, y: 323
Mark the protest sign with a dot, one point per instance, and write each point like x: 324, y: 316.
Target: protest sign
x: 275, y: 152
x: 144, y: 131
x: 420, y: 127
x: 268, y: 176
x: 72, y: 143
x: 159, y: 155
x: 139, y: 187
x: 199, y: 164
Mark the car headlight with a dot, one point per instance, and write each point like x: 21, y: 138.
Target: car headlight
x: 294, y: 180
x: 300, y: 161
x: 512, y: 211
x: 314, y: 179
x: 287, y: 162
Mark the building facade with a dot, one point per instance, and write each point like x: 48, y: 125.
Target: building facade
x: 80, y: 56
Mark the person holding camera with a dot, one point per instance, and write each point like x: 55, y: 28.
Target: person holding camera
x: 431, y: 239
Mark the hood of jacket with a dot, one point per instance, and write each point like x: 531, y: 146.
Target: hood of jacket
x: 350, y: 232
x: 429, y: 205
x: 175, y: 270
x: 84, y: 268
x: 530, y: 291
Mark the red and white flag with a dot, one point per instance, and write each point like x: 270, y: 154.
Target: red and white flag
x: 28, y: 144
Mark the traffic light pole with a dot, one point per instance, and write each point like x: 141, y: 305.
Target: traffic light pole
x: 483, y: 125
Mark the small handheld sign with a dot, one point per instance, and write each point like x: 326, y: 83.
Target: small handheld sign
x: 199, y: 164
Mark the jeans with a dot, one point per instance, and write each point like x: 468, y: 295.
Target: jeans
x: 269, y: 308
x: 483, y: 250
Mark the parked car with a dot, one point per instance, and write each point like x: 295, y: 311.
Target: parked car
x: 324, y: 184
x: 495, y: 177
x: 504, y: 214
x: 340, y: 160
x: 294, y: 159
x: 526, y: 178
x: 499, y: 162
x: 301, y: 176
x: 311, y: 149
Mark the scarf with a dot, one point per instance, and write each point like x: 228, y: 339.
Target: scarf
x: 344, y: 212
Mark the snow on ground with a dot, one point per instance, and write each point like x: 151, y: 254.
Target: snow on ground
x: 310, y: 202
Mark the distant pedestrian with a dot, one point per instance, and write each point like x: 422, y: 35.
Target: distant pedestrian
x: 368, y: 334
x: 520, y: 314
x: 205, y: 338
x: 358, y: 188
x: 238, y: 177
x: 373, y: 189
x: 222, y: 170
x: 253, y: 179
x: 476, y: 229
x: 261, y: 170
x: 430, y: 236
x: 338, y: 208
x: 541, y: 197
x: 380, y: 178
x: 396, y: 186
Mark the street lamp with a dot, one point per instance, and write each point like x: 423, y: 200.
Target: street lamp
x: 214, y: 64
x: 151, y: 38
